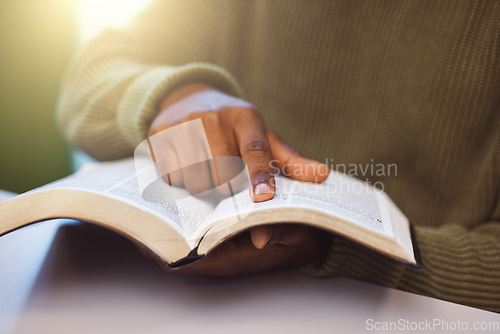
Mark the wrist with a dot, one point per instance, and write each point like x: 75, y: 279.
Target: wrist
x: 183, y: 92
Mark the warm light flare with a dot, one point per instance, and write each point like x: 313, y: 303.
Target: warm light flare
x: 96, y: 15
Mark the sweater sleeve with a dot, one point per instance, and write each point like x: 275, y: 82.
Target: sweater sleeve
x: 460, y: 265
x: 116, y: 82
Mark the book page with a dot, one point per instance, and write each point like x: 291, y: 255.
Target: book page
x: 340, y: 195
x: 345, y: 197
x: 118, y: 180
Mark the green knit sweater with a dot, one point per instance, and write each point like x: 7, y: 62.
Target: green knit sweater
x: 415, y: 84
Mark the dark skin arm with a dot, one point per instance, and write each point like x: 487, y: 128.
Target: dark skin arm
x: 234, y: 127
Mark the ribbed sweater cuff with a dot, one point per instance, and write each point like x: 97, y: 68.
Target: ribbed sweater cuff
x: 349, y: 259
x: 139, y: 104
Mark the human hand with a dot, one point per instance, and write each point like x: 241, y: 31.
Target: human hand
x: 287, y: 246
x: 233, y: 127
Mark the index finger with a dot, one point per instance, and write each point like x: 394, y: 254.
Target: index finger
x: 251, y: 138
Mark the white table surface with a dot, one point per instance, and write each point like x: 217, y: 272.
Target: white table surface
x: 80, y: 278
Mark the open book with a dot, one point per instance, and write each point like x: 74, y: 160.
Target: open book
x: 176, y: 226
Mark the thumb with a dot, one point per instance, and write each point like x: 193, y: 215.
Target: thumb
x: 293, y: 165
x: 261, y: 235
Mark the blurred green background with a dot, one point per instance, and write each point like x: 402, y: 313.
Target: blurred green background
x: 37, y: 39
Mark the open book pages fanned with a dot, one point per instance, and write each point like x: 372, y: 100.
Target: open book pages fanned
x: 172, y: 223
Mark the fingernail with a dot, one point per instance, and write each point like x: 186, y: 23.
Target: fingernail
x: 262, y: 188
x: 261, y: 235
